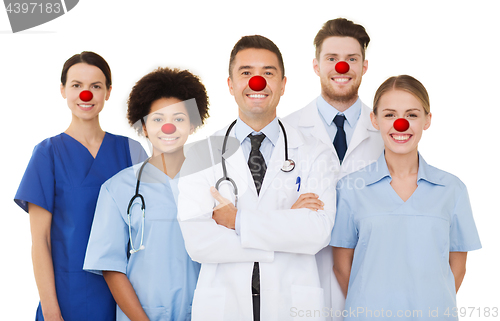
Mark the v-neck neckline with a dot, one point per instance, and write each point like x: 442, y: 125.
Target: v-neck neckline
x: 88, y: 151
x: 396, y: 195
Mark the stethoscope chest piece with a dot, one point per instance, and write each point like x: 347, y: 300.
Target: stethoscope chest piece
x: 288, y: 166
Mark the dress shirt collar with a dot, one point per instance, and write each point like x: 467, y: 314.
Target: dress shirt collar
x: 328, y: 112
x: 272, y: 131
x: 379, y: 170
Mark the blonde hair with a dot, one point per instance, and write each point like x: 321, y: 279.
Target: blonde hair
x: 405, y: 83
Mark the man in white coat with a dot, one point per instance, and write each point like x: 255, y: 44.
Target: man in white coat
x: 258, y: 257
x: 338, y: 118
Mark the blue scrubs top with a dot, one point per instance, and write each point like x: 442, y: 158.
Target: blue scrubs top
x: 64, y: 178
x: 163, y: 275
x: 401, y: 264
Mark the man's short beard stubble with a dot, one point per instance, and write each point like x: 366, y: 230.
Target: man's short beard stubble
x: 331, y: 95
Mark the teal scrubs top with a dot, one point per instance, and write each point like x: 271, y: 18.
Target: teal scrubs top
x: 401, y: 264
x: 162, y: 274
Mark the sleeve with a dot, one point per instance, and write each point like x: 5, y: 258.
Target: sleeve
x: 107, y: 246
x: 463, y: 233
x: 205, y: 240
x: 137, y: 152
x: 344, y: 233
x: 301, y: 230
x: 38, y: 183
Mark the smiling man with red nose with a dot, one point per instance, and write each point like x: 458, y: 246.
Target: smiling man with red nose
x: 257, y: 236
x: 339, y: 119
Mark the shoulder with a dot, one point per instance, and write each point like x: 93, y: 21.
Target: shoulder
x: 361, y: 178
x: 48, y: 145
x: 121, y: 139
x: 294, y: 118
x: 445, y: 178
x: 125, y: 177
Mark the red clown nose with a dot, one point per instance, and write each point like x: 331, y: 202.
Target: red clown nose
x: 257, y: 83
x: 168, y: 128
x: 342, y: 67
x: 401, y: 124
x: 86, y: 95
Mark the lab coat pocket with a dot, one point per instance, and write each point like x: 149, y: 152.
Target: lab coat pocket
x: 157, y: 314
x: 308, y: 302
x: 209, y: 304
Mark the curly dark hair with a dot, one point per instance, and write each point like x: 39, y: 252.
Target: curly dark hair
x: 167, y: 83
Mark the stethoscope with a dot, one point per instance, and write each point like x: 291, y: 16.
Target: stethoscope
x: 131, y: 205
x: 288, y: 164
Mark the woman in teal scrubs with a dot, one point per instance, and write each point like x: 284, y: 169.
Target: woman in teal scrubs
x: 59, y: 190
x: 403, y: 228
x: 144, y: 260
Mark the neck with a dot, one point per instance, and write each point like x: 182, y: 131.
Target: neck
x: 402, y: 165
x: 85, y: 130
x: 257, y: 122
x: 169, y: 163
x: 340, y: 105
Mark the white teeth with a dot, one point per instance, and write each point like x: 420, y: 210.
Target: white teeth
x: 341, y: 79
x: 168, y: 139
x: 401, y: 137
x: 85, y: 106
x: 257, y: 96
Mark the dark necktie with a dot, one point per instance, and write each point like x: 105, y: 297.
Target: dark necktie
x: 257, y: 166
x: 340, y: 142
x: 256, y: 161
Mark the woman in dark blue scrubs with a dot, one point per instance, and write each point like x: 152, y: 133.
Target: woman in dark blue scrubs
x: 59, y: 190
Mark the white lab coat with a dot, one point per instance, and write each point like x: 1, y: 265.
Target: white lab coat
x: 283, y: 240
x: 365, y: 147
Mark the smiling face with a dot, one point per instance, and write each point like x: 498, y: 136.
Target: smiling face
x: 168, y: 111
x: 256, y: 105
x: 396, y: 104
x: 82, y: 77
x: 340, y: 90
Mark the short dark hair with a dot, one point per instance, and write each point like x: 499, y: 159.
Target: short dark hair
x: 167, y: 83
x: 341, y: 27
x: 256, y: 42
x: 89, y: 58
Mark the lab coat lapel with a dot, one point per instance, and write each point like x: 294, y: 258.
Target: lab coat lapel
x: 362, y: 130
x: 311, y: 118
x: 237, y: 169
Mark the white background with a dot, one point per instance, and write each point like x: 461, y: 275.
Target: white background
x: 452, y: 47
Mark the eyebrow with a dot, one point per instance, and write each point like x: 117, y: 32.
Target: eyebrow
x: 79, y: 82
x: 179, y: 113
x: 335, y: 55
x: 412, y: 109
x: 252, y: 67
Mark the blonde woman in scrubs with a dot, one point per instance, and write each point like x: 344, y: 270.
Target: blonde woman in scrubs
x: 403, y: 228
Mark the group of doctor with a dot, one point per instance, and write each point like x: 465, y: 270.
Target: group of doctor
x: 311, y: 217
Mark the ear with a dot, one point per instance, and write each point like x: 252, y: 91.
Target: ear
x: 230, y: 85
x: 63, y: 91
x: 108, y: 92
x: 428, y: 121
x: 316, y: 66
x: 191, y: 129
x: 365, y: 66
x: 283, y: 83
x: 373, y: 118
x: 145, y: 130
